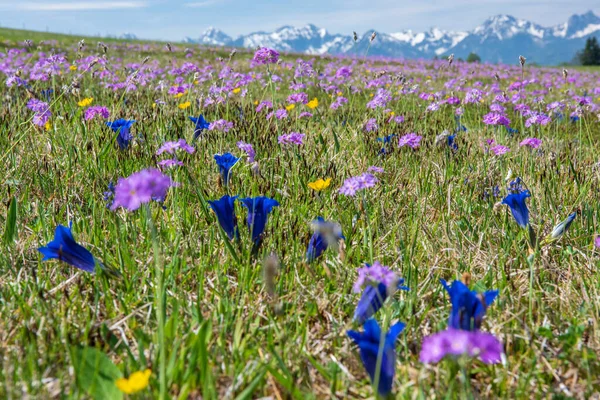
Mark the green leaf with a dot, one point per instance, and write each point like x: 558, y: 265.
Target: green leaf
x: 10, y: 230
x: 96, y: 374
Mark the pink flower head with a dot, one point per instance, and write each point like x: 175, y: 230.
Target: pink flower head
x: 534, y: 143
x: 265, y: 56
x: 454, y: 342
x: 292, y: 138
x: 356, y: 183
x: 411, y: 140
x: 499, y: 149
x: 374, y: 274
x: 141, y: 187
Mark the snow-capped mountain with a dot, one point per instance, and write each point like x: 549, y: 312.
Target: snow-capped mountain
x: 501, y: 38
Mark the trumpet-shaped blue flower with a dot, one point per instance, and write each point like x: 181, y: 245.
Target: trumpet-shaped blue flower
x: 122, y: 127
x: 518, y: 207
x: 325, y: 234
x: 66, y: 249
x: 258, y: 212
x: 369, y: 344
x: 201, y: 124
x: 468, y: 307
x: 225, y: 162
x: 382, y: 284
x: 224, y: 208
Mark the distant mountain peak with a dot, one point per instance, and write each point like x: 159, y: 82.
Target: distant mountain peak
x: 500, y: 38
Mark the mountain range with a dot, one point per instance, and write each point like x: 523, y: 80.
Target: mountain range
x: 499, y: 39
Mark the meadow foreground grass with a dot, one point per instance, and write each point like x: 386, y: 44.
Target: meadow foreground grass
x: 198, y: 311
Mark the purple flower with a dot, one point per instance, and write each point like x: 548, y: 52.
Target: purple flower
x: 411, y: 140
x: 398, y: 119
x: 264, y: 104
x: 374, y: 275
x: 93, y: 111
x: 496, y: 119
x: 297, y: 98
x: 375, y: 169
x: 170, y: 163
x: 371, y: 125
x: 499, y: 149
x: 337, y: 103
x: 454, y: 342
x: 535, y: 118
x: 265, y: 56
x: 141, y: 187
x: 597, y: 242
x: 171, y: 147
x: 356, y: 183
x: 534, y: 143
x: 247, y: 147
x: 220, y: 125
x: 281, y: 114
x: 42, y: 111
x: 380, y: 99
x: 292, y: 138
x: 305, y: 114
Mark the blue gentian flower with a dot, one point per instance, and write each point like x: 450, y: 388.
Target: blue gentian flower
x: 66, y: 249
x: 258, y: 211
x: 122, y: 126
x: 47, y: 93
x: 201, y: 124
x: 326, y: 234
x: 386, y: 139
x: 511, y: 131
x: 451, y: 139
x: 518, y: 207
x: 574, y: 118
x: 468, y: 307
x: 369, y: 343
x: 372, y: 299
x: 224, y: 208
x: 225, y: 162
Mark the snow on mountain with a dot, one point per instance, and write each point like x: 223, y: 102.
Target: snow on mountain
x: 500, y: 38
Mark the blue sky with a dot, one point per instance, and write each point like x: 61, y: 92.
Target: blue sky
x: 173, y: 20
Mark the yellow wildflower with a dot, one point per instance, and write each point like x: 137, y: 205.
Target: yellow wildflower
x: 136, y: 382
x: 392, y: 113
x: 290, y: 107
x: 85, y: 102
x: 178, y: 95
x: 236, y: 90
x: 255, y: 102
x: 185, y: 105
x: 339, y: 93
x: 313, y: 103
x: 320, y: 184
x: 47, y: 125
x: 73, y: 67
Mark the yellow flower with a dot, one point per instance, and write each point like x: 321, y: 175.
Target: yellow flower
x: 185, y: 105
x: 255, y: 102
x: 196, y: 82
x: 178, y: 95
x: 313, y: 103
x: 85, y: 102
x: 290, y: 107
x: 136, y: 382
x: 153, y: 105
x: 392, y: 113
x: 47, y: 125
x: 371, y: 94
x: 320, y: 184
x: 236, y: 90
x: 73, y: 67
x: 339, y: 93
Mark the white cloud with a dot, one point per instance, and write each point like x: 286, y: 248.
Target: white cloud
x: 78, y: 6
x: 200, y: 4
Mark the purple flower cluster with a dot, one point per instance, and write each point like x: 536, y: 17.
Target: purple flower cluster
x: 171, y: 147
x: 141, y: 187
x: 42, y: 111
x: 291, y: 138
x: 534, y: 143
x: 93, y: 111
x: 264, y: 104
x: 356, y: 183
x: 411, y: 140
x: 499, y: 149
x: 496, y: 119
x: 455, y: 342
x: 247, y: 147
x: 535, y: 118
x: 373, y: 275
x: 298, y: 98
x: 266, y: 56
x: 220, y: 125
x: 337, y: 103
x: 371, y: 125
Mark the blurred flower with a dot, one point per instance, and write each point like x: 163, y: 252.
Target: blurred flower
x: 356, y: 183
x: 319, y: 184
x: 122, y: 126
x: 91, y: 112
x: 290, y: 107
x: 247, y: 147
x: 224, y: 208
x: 534, y: 143
x: 375, y: 169
x: 42, y: 111
x: 371, y: 125
x: 291, y: 138
x: 468, y: 307
x: 369, y: 344
x: 141, y: 187
x: 499, y: 149
x: 314, y: 103
x: 220, y: 125
x: 66, y: 249
x: 136, y: 382
x: 184, y: 105
x: 258, y: 212
x: 455, y: 342
x: 496, y: 119
x: 326, y: 234
x: 411, y: 140
x: 170, y: 163
x: 171, y: 147
x: 597, y: 242
x: 225, y: 162
x: 559, y: 230
x: 518, y: 207
x: 85, y: 102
